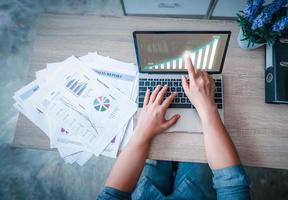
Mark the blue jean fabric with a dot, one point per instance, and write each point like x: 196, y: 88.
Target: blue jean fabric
x: 190, y: 181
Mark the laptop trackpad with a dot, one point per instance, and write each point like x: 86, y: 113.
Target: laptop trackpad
x: 188, y: 122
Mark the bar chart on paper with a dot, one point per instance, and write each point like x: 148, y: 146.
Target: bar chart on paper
x: 202, y: 57
x: 76, y: 86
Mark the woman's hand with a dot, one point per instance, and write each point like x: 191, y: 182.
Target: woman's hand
x: 200, y: 89
x: 152, y: 118
x: 151, y: 122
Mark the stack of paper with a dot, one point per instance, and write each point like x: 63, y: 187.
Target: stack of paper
x: 84, y: 105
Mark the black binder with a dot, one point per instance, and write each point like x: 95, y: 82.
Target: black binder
x: 276, y: 72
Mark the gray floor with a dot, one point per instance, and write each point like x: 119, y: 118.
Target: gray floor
x: 34, y: 174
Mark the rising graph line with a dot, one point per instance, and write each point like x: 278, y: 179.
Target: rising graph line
x: 80, y: 113
x: 202, y: 51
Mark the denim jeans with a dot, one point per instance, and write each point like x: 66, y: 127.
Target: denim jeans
x: 189, y: 181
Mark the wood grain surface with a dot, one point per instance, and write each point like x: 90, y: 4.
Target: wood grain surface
x: 259, y: 130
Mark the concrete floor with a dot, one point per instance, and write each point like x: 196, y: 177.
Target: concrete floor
x: 34, y: 174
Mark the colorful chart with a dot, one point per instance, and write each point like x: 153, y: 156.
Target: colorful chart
x: 101, y: 104
x: 64, y: 131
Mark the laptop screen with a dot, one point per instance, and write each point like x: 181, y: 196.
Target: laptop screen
x: 166, y: 51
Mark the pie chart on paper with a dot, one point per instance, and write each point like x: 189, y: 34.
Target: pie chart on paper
x: 101, y: 103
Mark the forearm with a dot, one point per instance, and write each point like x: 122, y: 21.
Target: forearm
x: 220, y: 149
x: 129, y: 165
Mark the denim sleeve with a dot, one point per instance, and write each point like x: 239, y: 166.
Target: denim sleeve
x: 113, y: 194
x: 231, y: 183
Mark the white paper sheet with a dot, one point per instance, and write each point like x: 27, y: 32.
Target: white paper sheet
x: 86, y: 106
x: 114, y: 80
x: 122, y: 76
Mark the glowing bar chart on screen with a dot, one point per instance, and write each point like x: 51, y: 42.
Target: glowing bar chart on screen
x: 202, y: 57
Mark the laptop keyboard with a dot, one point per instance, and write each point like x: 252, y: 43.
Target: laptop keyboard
x: 175, y: 85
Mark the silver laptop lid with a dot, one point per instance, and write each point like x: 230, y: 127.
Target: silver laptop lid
x: 165, y: 51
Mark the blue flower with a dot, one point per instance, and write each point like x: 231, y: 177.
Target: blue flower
x: 267, y: 14
x: 251, y: 9
x: 281, y: 24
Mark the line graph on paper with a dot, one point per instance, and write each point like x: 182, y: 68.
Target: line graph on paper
x: 73, y: 120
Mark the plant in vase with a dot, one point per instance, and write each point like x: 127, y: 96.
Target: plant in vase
x: 261, y: 24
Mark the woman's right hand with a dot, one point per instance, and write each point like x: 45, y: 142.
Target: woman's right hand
x: 200, y: 89
x: 152, y: 119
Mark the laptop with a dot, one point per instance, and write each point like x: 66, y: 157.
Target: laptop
x: 161, y: 60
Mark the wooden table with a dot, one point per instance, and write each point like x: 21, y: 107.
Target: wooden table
x: 259, y: 130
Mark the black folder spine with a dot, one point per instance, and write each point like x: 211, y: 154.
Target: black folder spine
x: 270, y: 82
